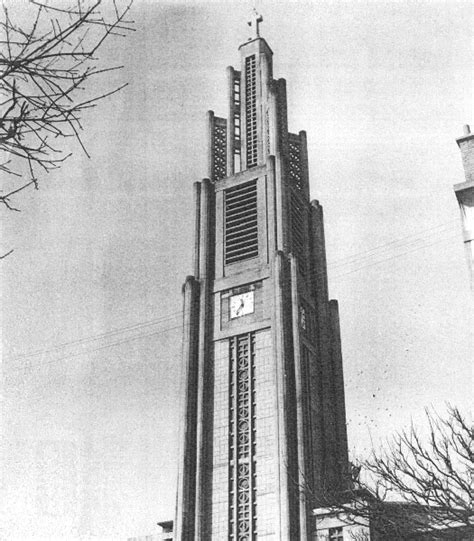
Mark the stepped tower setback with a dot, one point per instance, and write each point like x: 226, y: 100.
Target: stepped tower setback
x: 263, y: 423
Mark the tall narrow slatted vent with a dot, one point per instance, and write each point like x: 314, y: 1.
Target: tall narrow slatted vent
x: 220, y: 143
x: 251, y: 110
x: 241, y: 227
x: 298, y: 236
x: 295, y: 169
x: 237, y: 124
x: 297, y: 222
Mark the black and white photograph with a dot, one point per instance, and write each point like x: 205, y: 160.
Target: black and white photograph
x: 236, y: 270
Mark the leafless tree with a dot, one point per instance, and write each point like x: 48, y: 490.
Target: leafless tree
x: 47, y: 73
x: 360, y: 536
x: 417, y: 487
x: 432, y: 474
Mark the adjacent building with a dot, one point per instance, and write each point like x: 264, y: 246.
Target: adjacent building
x: 465, y: 196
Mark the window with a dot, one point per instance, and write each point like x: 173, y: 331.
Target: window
x: 336, y: 534
x: 237, y: 90
x: 241, y: 227
x: 237, y: 126
x: 237, y: 143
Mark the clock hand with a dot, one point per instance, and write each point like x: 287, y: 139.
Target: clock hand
x: 240, y: 307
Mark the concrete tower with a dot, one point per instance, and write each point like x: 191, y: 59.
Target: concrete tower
x: 465, y: 196
x: 263, y: 426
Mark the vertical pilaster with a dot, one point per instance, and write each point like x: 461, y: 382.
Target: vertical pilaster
x: 184, y: 521
x: 204, y: 324
x: 315, y: 435
x: 282, y: 116
x: 197, y: 226
x: 300, y: 400
x: 210, y: 144
x: 273, y: 119
x: 320, y: 289
x: 270, y: 204
x: 304, y: 162
x: 281, y: 205
x: 338, y: 379
x: 318, y: 253
x: 280, y: 338
x: 230, y: 121
x: 278, y: 193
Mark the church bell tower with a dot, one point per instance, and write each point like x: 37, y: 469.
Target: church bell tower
x: 263, y: 423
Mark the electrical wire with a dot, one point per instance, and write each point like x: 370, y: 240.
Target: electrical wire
x: 175, y: 315
x: 382, y: 246
x: 100, y: 336
x: 105, y: 346
x: 384, y: 252
x: 393, y: 257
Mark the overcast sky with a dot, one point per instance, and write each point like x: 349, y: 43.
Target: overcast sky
x: 92, y: 292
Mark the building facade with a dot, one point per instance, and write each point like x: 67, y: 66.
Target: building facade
x: 336, y: 525
x: 465, y: 196
x: 263, y: 424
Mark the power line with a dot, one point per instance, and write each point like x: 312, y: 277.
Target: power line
x: 393, y: 257
x: 420, y: 231
x: 92, y: 338
x: 393, y: 249
x: 88, y: 351
x: 170, y: 317
x: 155, y: 333
x: 116, y: 377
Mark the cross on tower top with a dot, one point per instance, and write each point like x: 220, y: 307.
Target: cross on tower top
x: 255, y: 20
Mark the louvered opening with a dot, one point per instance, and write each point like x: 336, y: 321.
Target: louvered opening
x: 220, y: 148
x: 241, y: 227
x: 298, y: 231
x: 237, y: 124
x: 295, y: 169
x: 251, y: 109
x: 297, y: 220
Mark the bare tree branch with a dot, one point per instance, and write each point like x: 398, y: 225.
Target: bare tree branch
x: 6, y: 254
x: 418, y: 487
x: 44, y: 69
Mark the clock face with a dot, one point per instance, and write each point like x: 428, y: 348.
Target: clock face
x: 241, y: 305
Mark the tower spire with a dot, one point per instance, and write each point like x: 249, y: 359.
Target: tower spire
x: 254, y: 23
x: 264, y: 413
